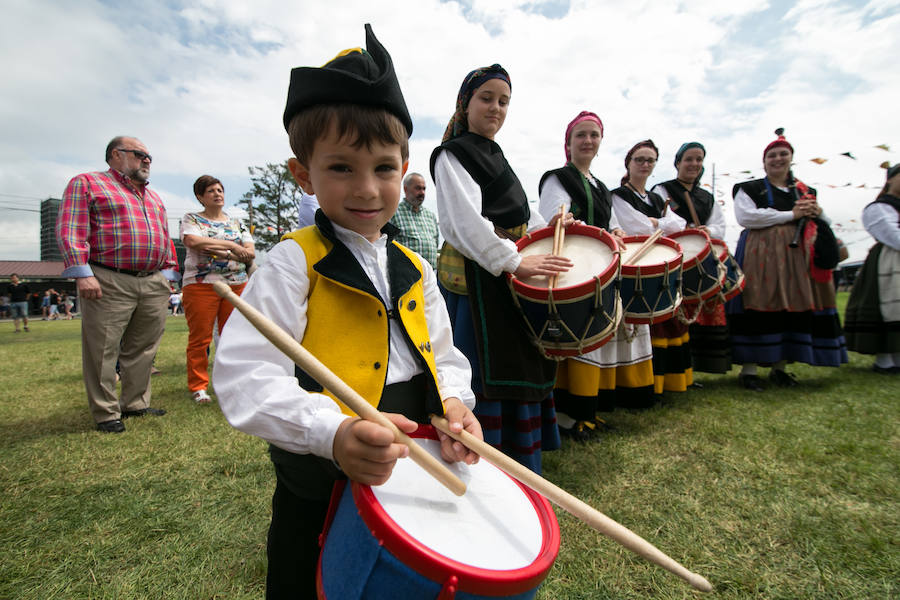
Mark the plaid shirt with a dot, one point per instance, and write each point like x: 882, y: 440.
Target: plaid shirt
x: 105, y: 218
x: 418, y: 230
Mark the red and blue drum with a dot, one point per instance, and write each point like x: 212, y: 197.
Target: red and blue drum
x: 700, y: 269
x: 733, y: 277
x: 413, y: 539
x: 651, y: 286
x: 582, y: 312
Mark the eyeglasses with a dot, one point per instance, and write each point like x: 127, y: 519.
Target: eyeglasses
x: 644, y: 160
x: 140, y: 155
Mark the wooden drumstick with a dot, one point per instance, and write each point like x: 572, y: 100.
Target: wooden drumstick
x: 643, y: 248
x: 559, y: 236
x: 302, y: 357
x: 573, y: 505
x: 690, y: 205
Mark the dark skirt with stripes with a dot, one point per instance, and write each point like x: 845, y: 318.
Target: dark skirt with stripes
x: 710, y: 346
x: 864, y: 325
x: 519, y: 429
x: 765, y: 337
x: 672, y: 370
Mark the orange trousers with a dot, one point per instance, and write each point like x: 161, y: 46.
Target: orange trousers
x: 202, y: 306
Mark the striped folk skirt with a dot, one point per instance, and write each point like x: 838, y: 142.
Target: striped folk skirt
x: 783, y: 314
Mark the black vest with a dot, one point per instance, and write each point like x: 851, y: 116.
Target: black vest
x: 573, y: 182
x: 892, y: 201
x: 503, y: 202
x: 700, y: 198
x: 632, y: 198
x: 756, y: 189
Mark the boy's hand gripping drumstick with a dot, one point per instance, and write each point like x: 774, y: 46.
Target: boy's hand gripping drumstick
x: 302, y: 357
x: 574, y: 506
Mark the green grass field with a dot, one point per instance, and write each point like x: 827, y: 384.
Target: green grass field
x: 769, y: 495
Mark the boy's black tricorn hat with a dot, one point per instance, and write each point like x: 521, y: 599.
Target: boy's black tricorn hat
x: 354, y: 77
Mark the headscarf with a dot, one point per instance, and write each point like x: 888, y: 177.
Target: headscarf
x: 684, y: 148
x: 779, y: 141
x: 581, y: 118
x: 459, y: 123
x: 893, y: 170
x: 354, y: 76
x: 644, y: 144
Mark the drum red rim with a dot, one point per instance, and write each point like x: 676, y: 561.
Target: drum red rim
x: 438, y: 568
x: 572, y: 292
x: 701, y: 256
x: 631, y: 271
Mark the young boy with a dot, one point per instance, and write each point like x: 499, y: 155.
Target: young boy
x: 364, y: 305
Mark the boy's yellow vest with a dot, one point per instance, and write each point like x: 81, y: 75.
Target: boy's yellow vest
x: 347, y: 327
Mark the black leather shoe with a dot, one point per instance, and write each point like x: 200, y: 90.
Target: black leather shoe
x: 782, y: 378
x: 156, y: 412
x: 885, y: 370
x: 751, y: 382
x: 114, y: 426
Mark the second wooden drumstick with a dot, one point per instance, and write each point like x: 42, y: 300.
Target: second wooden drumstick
x: 318, y: 371
x: 574, y: 506
x: 643, y: 248
x: 559, y: 236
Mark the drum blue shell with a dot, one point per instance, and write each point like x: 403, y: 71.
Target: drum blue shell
x: 700, y: 270
x: 412, y: 539
x: 651, y: 289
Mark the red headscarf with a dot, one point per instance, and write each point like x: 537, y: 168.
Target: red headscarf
x: 582, y: 117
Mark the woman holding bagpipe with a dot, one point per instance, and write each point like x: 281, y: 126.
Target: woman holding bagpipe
x: 787, y: 310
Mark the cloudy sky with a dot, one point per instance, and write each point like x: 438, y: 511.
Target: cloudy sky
x: 203, y: 85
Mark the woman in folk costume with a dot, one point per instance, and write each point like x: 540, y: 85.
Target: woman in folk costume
x: 482, y: 208
x: 710, y: 349
x: 787, y: 310
x: 620, y: 372
x: 641, y: 212
x: 872, y: 321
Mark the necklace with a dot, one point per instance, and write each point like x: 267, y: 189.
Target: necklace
x: 634, y: 189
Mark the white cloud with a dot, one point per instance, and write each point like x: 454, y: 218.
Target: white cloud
x: 203, y: 85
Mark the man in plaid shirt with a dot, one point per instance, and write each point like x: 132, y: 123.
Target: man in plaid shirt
x: 418, y: 225
x: 113, y: 235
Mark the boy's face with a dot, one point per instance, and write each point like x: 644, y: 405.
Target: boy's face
x: 357, y: 188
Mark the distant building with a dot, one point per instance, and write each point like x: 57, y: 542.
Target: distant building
x: 49, y: 249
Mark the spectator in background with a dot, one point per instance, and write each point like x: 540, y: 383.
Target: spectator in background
x: 45, y: 305
x: 418, y: 226
x: 54, y: 305
x: 18, y: 297
x: 306, y: 215
x: 115, y: 242
x: 219, y: 249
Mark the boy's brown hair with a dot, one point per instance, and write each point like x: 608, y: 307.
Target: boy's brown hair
x: 362, y: 125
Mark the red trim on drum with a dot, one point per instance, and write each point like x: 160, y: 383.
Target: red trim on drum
x: 631, y: 271
x: 701, y: 256
x: 438, y: 567
x: 572, y: 292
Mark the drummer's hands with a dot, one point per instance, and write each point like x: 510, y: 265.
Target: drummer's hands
x: 619, y: 235
x: 703, y: 228
x: 654, y: 222
x: 569, y: 219
x: 542, y: 264
x: 459, y: 417
x: 366, y: 451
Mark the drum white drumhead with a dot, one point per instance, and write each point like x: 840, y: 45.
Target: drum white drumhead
x: 657, y: 254
x: 492, y: 526
x: 590, y: 255
x: 692, y: 245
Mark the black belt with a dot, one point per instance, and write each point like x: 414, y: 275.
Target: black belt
x: 123, y: 271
